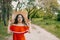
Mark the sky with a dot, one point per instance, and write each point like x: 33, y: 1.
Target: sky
x: 58, y: 1
x: 23, y: 6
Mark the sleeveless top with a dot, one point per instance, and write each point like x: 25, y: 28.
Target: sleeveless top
x: 19, y: 29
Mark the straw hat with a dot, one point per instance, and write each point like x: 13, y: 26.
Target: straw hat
x: 23, y: 12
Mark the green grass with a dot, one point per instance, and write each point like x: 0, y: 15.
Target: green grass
x: 3, y: 31
x: 49, y: 25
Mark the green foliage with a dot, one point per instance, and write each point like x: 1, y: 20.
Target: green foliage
x: 50, y: 25
x: 14, y: 0
x: 48, y: 16
x: 39, y: 13
x: 3, y: 32
x: 6, y: 9
x: 58, y: 16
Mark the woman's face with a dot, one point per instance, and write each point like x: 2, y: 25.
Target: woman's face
x: 20, y: 18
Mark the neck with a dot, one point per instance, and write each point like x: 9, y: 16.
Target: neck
x: 19, y: 22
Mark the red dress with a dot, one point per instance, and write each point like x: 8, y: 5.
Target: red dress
x: 19, y: 31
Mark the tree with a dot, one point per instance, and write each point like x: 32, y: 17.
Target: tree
x: 58, y: 16
x: 5, y: 8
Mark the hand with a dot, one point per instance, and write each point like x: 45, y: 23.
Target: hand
x: 29, y: 22
x: 9, y: 22
x: 9, y: 32
x: 29, y: 31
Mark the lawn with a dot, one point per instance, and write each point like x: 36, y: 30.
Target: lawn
x: 3, y: 31
x: 50, y: 25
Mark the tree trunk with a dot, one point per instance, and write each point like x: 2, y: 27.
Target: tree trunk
x: 4, y: 13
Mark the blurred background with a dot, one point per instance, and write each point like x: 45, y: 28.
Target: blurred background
x: 45, y: 13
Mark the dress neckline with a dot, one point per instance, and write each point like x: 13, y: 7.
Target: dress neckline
x: 17, y: 25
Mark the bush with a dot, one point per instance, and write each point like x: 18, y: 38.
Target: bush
x: 58, y: 17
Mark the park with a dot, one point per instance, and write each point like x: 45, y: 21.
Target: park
x: 43, y: 14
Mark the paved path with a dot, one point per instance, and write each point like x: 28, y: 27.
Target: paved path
x: 38, y: 33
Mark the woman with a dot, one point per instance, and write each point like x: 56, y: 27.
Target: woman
x: 19, y: 28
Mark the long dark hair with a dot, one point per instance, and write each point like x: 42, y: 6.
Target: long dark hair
x: 16, y: 19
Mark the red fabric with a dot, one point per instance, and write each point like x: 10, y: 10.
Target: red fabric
x: 18, y: 36
x: 19, y: 28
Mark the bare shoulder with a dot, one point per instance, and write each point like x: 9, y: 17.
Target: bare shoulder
x: 13, y: 24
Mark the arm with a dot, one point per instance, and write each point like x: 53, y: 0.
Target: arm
x: 29, y: 25
x: 8, y: 29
